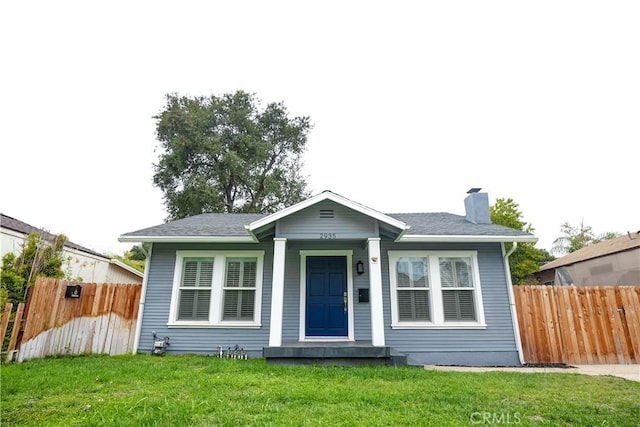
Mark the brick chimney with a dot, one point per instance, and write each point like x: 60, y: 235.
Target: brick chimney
x: 476, y: 206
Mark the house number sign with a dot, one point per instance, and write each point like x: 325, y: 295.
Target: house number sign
x: 328, y: 236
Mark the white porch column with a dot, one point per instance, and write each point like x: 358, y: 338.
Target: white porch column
x: 375, y: 293
x: 277, y: 292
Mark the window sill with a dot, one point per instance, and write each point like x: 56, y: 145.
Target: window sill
x: 473, y: 325
x: 207, y: 325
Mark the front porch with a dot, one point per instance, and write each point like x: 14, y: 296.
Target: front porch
x: 333, y: 353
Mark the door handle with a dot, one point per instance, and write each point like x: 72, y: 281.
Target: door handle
x: 345, y: 299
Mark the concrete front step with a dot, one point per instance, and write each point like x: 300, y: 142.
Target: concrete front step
x: 332, y: 354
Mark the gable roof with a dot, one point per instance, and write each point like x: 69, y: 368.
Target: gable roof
x: 606, y: 247
x: 270, y: 220
x: 425, y: 227
x: 11, y: 223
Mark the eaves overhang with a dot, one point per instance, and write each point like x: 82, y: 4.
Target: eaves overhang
x: 467, y: 238
x: 182, y: 239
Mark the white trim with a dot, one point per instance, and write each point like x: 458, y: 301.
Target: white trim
x: 348, y: 253
x: 205, y: 325
x: 448, y: 325
x: 512, y: 302
x: 375, y: 293
x: 143, y: 297
x: 466, y: 238
x: 327, y: 195
x: 435, y: 290
x: 217, y: 285
x: 181, y: 239
x: 277, y: 292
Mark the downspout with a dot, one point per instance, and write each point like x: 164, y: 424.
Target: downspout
x: 143, y: 297
x: 512, y: 303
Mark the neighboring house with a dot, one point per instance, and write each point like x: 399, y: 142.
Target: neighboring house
x: 610, y: 262
x: 80, y: 262
x: 329, y: 277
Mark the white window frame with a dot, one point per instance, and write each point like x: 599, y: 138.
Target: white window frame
x: 435, y: 291
x: 217, y: 290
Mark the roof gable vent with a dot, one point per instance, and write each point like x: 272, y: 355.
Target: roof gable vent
x: 326, y: 213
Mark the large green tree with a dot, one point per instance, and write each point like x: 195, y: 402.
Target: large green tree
x: 526, y: 259
x: 577, y: 237
x: 227, y: 154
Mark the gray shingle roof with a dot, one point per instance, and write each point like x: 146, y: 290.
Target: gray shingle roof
x: 11, y: 223
x: 208, y: 224
x: 229, y: 225
x: 447, y: 224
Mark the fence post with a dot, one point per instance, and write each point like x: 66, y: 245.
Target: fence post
x: 6, y: 316
x: 17, y: 324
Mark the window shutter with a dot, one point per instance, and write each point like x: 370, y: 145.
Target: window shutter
x: 194, y: 304
x: 233, y: 274
x: 239, y: 303
x: 413, y: 305
x: 458, y: 305
x: 206, y: 273
x: 249, y: 274
x: 190, y: 274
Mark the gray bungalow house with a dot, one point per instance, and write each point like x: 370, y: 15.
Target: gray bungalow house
x: 330, y: 280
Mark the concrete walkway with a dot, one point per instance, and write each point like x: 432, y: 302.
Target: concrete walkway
x: 629, y: 372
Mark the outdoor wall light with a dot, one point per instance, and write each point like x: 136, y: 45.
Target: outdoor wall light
x: 360, y: 267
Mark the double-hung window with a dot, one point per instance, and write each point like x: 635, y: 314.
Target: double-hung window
x: 435, y: 289
x: 217, y: 289
x: 457, y: 289
x: 413, y: 289
x: 240, y: 289
x: 195, y: 289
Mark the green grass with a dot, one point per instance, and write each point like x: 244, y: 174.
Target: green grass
x: 205, y: 391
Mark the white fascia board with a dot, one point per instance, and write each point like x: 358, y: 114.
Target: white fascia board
x: 182, y: 239
x: 467, y: 238
x: 327, y: 195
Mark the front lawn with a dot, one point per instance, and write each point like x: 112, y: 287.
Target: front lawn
x: 206, y: 391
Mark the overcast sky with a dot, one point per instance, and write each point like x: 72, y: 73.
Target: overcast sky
x: 413, y: 103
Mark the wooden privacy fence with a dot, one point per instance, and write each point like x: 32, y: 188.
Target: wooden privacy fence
x: 8, y: 318
x: 101, y: 320
x: 579, y: 325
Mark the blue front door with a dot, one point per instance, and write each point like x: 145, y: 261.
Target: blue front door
x: 326, y: 310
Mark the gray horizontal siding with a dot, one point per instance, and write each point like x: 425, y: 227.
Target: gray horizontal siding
x: 345, y: 224
x: 361, y: 310
x: 494, y: 345
x: 498, y: 337
x: 198, y: 340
